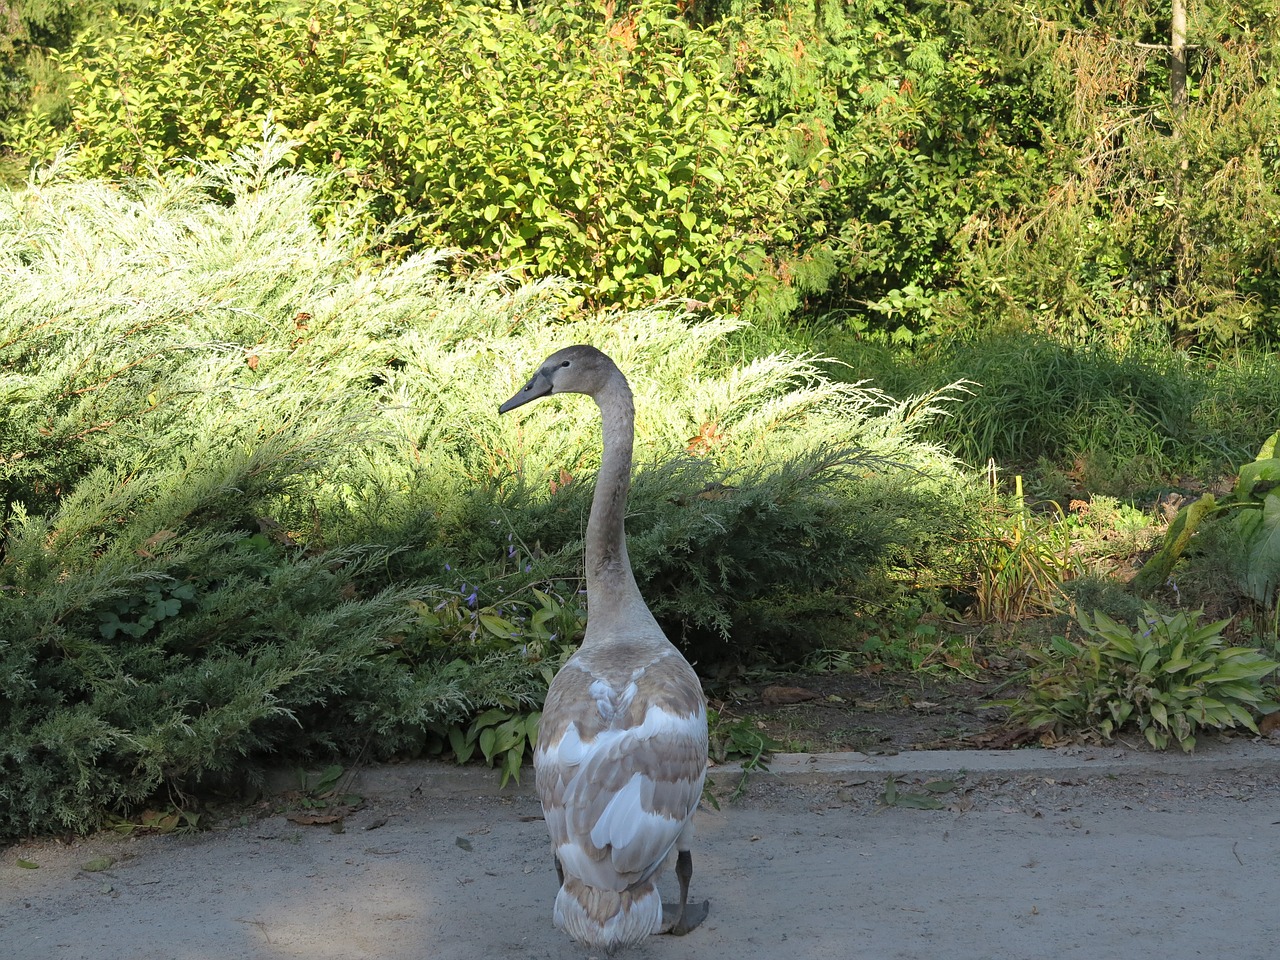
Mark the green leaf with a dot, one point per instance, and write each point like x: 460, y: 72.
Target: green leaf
x: 461, y: 745
x: 488, y: 741
x: 493, y: 715
x: 499, y: 627
x: 1262, y: 553
x: 940, y: 786
x: 918, y: 801
x: 1256, y: 473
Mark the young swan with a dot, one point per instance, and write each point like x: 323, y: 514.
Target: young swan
x: 622, y: 746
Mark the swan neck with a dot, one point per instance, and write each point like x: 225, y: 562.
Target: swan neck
x: 611, y: 584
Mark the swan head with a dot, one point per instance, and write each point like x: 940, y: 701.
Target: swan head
x: 576, y: 369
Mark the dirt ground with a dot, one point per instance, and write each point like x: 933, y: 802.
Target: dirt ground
x: 874, y: 713
x: 1001, y: 867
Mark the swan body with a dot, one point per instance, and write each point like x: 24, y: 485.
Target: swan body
x: 622, y: 744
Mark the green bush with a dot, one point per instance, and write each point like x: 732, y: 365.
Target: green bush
x: 619, y: 153
x: 258, y: 503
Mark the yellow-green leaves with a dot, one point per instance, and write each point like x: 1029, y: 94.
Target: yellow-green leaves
x: 561, y: 142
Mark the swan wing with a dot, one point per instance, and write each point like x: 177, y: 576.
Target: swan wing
x: 620, y: 765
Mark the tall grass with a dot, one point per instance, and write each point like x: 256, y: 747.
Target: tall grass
x: 1106, y: 420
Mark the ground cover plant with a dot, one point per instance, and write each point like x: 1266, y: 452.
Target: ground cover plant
x: 258, y: 505
x: 1169, y: 676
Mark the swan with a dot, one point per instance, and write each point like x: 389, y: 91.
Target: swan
x: 621, y: 752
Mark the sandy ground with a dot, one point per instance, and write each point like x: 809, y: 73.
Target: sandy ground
x: 1151, y: 864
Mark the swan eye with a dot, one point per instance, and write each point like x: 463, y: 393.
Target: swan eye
x: 565, y: 363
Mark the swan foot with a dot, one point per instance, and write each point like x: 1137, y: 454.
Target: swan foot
x: 685, y: 915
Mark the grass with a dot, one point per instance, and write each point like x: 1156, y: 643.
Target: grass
x: 1083, y: 419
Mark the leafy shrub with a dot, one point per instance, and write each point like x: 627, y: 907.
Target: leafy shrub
x: 617, y: 152
x: 258, y: 501
x: 1168, y: 677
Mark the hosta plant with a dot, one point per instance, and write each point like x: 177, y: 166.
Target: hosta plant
x: 1168, y: 677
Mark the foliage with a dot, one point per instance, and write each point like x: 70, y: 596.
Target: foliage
x: 1041, y: 398
x: 1251, y: 513
x: 258, y: 501
x: 1163, y: 225
x: 1022, y: 560
x: 616, y: 152
x: 1082, y: 420
x: 908, y: 636
x: 1168, y: 677
x: 740, y: 740
x: 28, y: 28
x: 907, y: 170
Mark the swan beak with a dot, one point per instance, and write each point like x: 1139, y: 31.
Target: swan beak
x: 539, y: 386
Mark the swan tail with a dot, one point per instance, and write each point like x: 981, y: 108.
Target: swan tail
x: 608, y: 919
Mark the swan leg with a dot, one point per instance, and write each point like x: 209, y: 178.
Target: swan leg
x: 684, y: 915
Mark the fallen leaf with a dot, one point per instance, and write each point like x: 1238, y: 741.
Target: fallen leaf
x: 97, y: 864
x: 1269, y: 726
x: 779, y: 696
x: 463, y: 842
x: 313, y: 819
x: 28, y: 864
x: 918, y: 801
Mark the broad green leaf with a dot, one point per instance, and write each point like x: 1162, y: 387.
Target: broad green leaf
x: 1262, y: 553
x: 488, y: 741
x: 460, y: 744
x: 1256, y: 473
x: 497, y: 626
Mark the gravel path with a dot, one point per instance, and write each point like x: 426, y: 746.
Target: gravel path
x: 1174, y: 863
